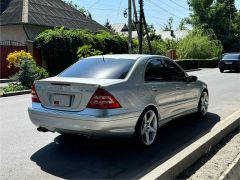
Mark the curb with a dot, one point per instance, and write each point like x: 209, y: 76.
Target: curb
x: 15, y: 93
x: 232, y: 171
x: 171, y: 168
x: 5, y: 80
x: 190, y: 70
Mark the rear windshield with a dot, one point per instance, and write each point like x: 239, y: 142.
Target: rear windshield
x: 231, y: 57
x: 99, y: 68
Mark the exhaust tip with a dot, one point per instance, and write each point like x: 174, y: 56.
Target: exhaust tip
x: 42, y: 129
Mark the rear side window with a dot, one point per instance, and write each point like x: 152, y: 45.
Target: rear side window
x: 231, y: 57
x: 99, y: 68
x: 156, y: 70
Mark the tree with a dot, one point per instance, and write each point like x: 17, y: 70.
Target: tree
x: 81, y: 9
x: 169, y: 25
x: 183, y: 23
x: 199, y: 44
x: 219, y: 15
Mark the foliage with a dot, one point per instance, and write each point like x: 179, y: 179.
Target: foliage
x: 81, y: 9
x: 199, y: 44
x: 14, y: 87
x: 158, y: 47
x: 41, y: 73
x: 169, y: 25
x: 86, y: 51
x: 221, y: 16
x: 28, y: 73
x: 15, y: 57
x: 59, y: 46
x: 182, y: 24
x: 198, y: 63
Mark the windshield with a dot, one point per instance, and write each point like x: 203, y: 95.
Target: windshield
x: 99, y: 68
x: 231, y: 57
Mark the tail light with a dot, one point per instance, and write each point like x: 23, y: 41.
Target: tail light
x: 34, y: 95
x: 102, y: 99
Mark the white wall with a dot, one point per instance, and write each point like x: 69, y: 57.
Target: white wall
x: 16, y: 32
x: 12, y: 32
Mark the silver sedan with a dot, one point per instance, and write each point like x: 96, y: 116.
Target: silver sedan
x: 117, y: 95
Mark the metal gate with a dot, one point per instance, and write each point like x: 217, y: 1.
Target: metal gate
x: 7, y: 47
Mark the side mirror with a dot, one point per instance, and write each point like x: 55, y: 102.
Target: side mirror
x: 192, y: 78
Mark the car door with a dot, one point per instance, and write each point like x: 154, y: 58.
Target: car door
x: 163, y: 92
x: 186, y: 92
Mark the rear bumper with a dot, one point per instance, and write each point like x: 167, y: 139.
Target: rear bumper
x: 229, y: 66
x: 88, y: 122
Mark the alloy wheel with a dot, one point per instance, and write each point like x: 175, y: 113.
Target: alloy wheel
x: 149, y: 127
x: 204, y: 103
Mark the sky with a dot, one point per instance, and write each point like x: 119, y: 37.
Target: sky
x: 157, y: 12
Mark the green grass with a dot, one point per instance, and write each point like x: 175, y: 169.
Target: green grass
x: 1, y: 90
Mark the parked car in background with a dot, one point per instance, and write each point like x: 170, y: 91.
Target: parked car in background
x: 117, y: 95
x: 230, y: 61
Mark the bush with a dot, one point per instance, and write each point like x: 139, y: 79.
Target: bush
x: 28, y: 73
x: 59, y: 46
x: 15, y: 57
x: 86, y: 51
x: 199, y: 44
x: 198, y: 63
x: 14, y: 87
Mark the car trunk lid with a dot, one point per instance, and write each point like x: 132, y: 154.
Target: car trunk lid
x: 71, y: 94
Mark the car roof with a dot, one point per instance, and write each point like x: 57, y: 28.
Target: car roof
x: 126, y: 56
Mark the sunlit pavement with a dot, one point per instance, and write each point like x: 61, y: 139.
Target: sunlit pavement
x: 27, y: 153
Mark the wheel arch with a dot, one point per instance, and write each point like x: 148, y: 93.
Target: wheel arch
x: 150, y: 106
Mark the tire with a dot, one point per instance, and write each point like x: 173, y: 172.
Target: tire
x: 146, y: 128
x: 221, y: 70
x: 203, y: 104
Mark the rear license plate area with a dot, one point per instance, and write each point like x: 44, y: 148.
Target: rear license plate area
x: 230, y: 62
x: 61, y: 100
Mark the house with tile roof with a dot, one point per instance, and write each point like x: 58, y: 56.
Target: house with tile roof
x: 23, y: 20
x: 122, y: 29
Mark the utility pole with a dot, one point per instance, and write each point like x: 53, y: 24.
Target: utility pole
x: 141, y: 26
x: 148, y: 38
x: 135, y: 17
x: 129, y: 27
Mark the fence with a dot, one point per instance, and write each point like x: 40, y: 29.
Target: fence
x: 7, y: 47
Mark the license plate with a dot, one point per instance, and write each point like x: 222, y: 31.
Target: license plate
x: 228, y: 62
x: 61, y: 100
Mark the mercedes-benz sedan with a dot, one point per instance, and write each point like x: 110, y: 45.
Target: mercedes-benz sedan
x: 117, y: 95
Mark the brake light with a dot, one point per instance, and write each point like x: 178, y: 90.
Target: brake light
x: 34, y: 95
x: 102, y: 99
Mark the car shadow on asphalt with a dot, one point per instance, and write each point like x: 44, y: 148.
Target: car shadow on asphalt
x: 75, y: 157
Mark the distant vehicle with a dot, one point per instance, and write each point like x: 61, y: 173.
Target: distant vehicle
x: 230, y: 61
x: 117, y: 95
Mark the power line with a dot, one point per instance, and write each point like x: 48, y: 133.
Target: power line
x: 178, y: 5
x: 155, y: 4
x: 93, y: 4
x: 120, y: 4
x: 104, y: 9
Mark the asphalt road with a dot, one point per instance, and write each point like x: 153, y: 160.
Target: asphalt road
x: 26, y: 153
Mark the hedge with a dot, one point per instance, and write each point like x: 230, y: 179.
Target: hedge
x: 59, y: 46
x: 198, y: 63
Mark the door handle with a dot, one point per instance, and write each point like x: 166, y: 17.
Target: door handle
x: 154, y: 88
